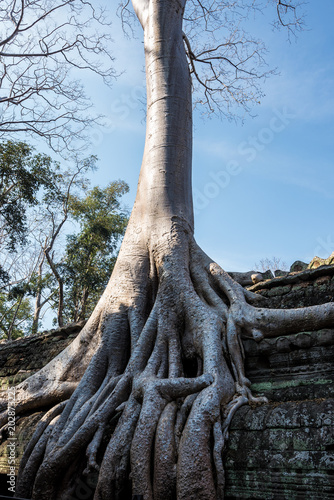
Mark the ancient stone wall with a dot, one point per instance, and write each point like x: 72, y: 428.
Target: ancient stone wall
x: 284, y: 450
x: 19, y: 359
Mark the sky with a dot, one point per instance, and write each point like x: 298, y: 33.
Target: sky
x: 263, y: 187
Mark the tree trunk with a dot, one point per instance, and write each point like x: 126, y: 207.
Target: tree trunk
x: 38, y: 300
x: 12, y: 324
x: 164, y: 189
x: 83, y: 305
x: 35, y: 321
x: 155, y: 376
x: 59, y: 279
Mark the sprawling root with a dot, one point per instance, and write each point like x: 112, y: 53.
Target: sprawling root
x: 157, y: 398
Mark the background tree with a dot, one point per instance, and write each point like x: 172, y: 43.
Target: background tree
x: 38, y: 199
x: 273, y: 264
x: 90, y: 254
x: 40, y: 283
x: 55, y: 209
x: 22, y: 174
x: 41, y: 41
x: 15, y: 314
x: 153, y: 379
x: 34, y: 192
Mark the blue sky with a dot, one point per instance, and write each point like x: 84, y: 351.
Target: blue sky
x: 263, y: 188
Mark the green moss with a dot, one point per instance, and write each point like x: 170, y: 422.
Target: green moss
x: 300, y: 444
x: 271, y: 385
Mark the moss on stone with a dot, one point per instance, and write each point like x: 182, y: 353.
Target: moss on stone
x: 262, y: 387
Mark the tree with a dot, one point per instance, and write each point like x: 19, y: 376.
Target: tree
x: 41, y: 41
x: 22, y: 174
x: 15, y: 314
x: 151, y: 383
x: 38, y: 283
x: 90, y: 254
x: 37, y: 199
x: 34, y: 196
x: 54, y: 213
x: 272, y: 265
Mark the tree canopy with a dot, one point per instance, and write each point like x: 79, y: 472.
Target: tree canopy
x: 39, y: 198
x: 90, y: 254
x: 22, y: 174
x: 44, y: 45
x: 226, y: 62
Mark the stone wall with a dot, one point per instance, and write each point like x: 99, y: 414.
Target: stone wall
x: 283, y: 450
x: 19, y: 359
x: 23, y: 357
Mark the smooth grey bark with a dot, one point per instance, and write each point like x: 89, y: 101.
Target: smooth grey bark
x: 160, y: 360
x: 60, y: 281
x: 38, y: 299
x: 39, y: 303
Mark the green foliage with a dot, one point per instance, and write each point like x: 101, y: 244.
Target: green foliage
x: 91, y: 253
x: 15, y: 315
x: 37, y: 199
x: 22, y: 173
x: 25, y: 179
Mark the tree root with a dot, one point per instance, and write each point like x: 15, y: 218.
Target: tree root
x: 168, y: 370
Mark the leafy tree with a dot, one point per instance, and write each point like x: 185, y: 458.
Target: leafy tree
x: 91, y: 254
x: 34, y: 196
x: 15, y: 314
x: 22, y: 174
x: 40, y: 42
x: 53, y: 216
x: 156, y: 374
x: 38, y: 198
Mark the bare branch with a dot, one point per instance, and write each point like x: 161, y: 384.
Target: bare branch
x: 227, y: 64
x: 16, y: 24
x: 42, y: 42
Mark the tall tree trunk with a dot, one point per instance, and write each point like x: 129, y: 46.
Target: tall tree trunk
x: 37, y: 311
x: 38, y: 300
x: 60, y: 281
x: 164, y: 189
x: 83, y: 304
